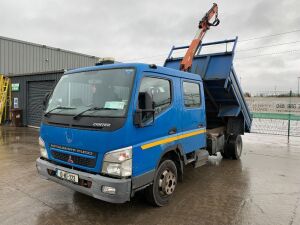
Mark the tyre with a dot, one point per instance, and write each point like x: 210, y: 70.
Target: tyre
x: 237, y: 146
x: 233, y: 148
x: 163, y: 187
x: 225, y: 153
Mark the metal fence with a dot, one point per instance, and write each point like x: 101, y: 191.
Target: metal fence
x: 276, y: 127
x: 276, y: 112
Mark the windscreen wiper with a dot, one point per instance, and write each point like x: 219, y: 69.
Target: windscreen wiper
x: 58, y: 107
x: 93, y: 108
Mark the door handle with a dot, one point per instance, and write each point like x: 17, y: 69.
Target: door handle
x: 200, y: 125
x: 173, y: 131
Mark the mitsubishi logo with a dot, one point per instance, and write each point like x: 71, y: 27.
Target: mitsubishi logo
x: 69, y: 136
x: 70, y: 160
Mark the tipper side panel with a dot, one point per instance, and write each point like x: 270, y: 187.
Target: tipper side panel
x: 223, y: 93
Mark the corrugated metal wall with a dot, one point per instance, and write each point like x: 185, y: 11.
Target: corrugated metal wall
x: 17, y: 57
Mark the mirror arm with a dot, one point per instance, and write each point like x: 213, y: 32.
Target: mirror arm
x: 148, y: 110
x: 151, y: 111
x: 46, y: 99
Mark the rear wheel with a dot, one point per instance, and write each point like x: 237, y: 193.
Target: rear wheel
x: 225, y: 153
x: 233, y: 148
x: 163, y: 187
x: 237, y: 147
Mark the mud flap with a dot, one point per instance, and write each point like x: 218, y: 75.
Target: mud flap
x: 201, y: 158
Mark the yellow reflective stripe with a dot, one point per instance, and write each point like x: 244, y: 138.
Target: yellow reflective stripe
x: 170, y: 139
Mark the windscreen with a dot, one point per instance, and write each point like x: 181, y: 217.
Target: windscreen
x: 108, y: 91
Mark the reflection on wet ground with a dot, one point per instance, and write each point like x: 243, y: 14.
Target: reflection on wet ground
x: 262, y: 188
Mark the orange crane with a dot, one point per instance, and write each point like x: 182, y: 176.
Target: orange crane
x: 204, y: 26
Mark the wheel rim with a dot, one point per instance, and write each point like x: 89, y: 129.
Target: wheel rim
x: 239, y: 148
x: 167, y: 182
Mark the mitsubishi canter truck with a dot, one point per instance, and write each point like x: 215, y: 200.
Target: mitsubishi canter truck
x: 110, y: 131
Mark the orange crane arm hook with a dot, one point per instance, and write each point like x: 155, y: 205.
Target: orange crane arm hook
x: 204, y: 26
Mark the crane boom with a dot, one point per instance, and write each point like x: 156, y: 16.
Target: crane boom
x: 204, y: 26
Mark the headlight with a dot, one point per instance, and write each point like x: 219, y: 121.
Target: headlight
x: 43, y: 150
x: 118, y: 162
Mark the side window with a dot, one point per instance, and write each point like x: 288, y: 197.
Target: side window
x: 160, y: 91
x: 191, y: 93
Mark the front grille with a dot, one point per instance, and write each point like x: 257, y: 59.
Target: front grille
x: 76, y: 160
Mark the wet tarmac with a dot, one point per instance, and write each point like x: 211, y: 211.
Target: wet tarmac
x: 262, y: 188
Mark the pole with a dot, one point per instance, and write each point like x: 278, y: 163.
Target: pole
x: 298, y: 86
x: 289, y: 121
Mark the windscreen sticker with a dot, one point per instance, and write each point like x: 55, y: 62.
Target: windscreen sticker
x: 129, y: 71
x: 114, y: 105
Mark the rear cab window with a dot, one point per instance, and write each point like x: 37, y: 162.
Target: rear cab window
x: 191, y: 94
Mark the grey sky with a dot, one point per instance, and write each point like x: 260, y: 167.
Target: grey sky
x: 145, y: 30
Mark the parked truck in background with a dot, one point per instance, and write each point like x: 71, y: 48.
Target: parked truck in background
x: 110, y: 131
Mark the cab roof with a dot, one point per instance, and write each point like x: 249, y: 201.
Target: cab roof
x: 142, y: 67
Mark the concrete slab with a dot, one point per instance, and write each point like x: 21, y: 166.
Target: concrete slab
x: 262, y: 188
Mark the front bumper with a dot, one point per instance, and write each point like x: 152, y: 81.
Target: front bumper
x: 123, y: 186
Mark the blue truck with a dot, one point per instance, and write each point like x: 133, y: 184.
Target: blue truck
x: 112, y: 130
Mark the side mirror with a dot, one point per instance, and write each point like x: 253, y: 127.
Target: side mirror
x: 46, y: 99
x: 138, y: 118
x: 144, y: 115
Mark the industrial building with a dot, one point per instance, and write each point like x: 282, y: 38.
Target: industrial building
x: 34, y: 70
x: 28, y: 92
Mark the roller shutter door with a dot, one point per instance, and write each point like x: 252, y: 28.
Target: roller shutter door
x: 36, y: 93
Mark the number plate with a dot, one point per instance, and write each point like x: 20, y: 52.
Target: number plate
x: 67, y: 176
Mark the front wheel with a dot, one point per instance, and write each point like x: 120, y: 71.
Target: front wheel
x: 163, y: 187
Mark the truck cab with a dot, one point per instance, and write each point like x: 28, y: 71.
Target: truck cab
x: 110, y: 131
